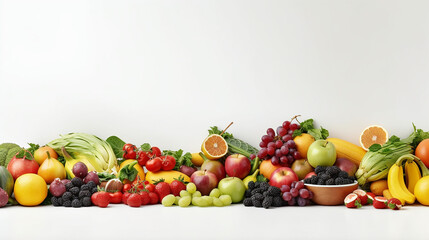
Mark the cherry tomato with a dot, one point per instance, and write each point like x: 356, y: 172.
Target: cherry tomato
x: 116, y: 197
x: 129, y: 146
x: 150, y: 187
x: 154, y: 165
x: 126, y: 187
x: 142, y: 157
x: 156, y: 151
x: 168, y: 162
x: 125, y: 197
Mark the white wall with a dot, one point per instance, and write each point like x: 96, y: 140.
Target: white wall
x: 164, y: 71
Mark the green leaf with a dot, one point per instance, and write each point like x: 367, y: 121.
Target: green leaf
x: 181, y: 159
x: 374, y: 147
x: 297, y: 132
x: 261, y: 178
x: 307, y: 125
x: 117, y: 144
x: 128, y: 172
x: 103, y: 176
x: 215, y: 130
x: 145, y: 147
x: 325, y: 132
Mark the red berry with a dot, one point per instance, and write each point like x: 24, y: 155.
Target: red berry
x: 379, y: 202
x: 162, y: 189
x: 394, y: 204
x: 153, y: 198
x: 125, y: 197
x: 144, y: 197
x: 176, y: 186
x: 134, y: 200
x: 362, y: 196
x: 100, y: 199
x: 352, y: 201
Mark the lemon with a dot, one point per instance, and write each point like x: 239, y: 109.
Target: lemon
x: 30, y: 189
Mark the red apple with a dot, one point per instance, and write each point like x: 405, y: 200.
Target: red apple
x: 205, y: 181
x: 283, y: 176
x: 347, y: 166
x: 310, y: 174
x: 215, y: 167
x: 237, y: 165
x: 301, y: 167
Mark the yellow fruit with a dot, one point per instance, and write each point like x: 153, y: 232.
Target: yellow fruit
x: 168, y: 176
x: 139, y: 169
x: 373, y: 134
x: 348, y: 150
x: 412, y: 175
x: 421, y: 190
x: 214, y: 147
x: 50, y: 169
x: 387, y: 194
x: 41, y: 154
x: 30, y: 189
x: 197, y: 160
x: 302, y: 143
x: 378, y: 187
x: 267, y: 168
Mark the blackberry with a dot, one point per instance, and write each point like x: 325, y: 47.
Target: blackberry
x: 265, y: 186
x: 84, y: 193
x: 76, y: 203
x: 352, y: 178
x: 339, y: 181
x: 86, y: 202
x: 267, y: 202
x: 75, y: 190
x: 274, y: 191
x: 66, y: 196
x: 60, y: 201
x: 343, y: 174
x: 257, y: 203
x: 307, y: 180
x: 91, y: 184
x: 324, y: 176
x: 94, y: 190
x: 77, y: 182
x: 265, y: 194
x: 257, y: 184
x: 67, y: 203
x: 84, y: 187
x: 248, y: 193
x: 348, y: 181
x: 248, y: 202
x: 314, y: 179
x: 320, y: 182
x: 319, y: 169
x: 333, y: 171
x: 257, y: 190
x: 55, y: 202
x: 258, y: 196
x: 251, y: 185
x: 277, y: 202
x: 69, y: 185
x: 330, y: 181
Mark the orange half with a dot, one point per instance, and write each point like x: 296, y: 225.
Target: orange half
x: 214, y: 147
x: 372, y: 135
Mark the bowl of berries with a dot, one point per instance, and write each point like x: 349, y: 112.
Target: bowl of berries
x: 330, y: 185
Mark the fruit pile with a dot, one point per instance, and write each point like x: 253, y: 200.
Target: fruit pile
x: 261, y: 194
x: 332, y: 175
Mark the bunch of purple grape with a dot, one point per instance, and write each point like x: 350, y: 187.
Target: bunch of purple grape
x: 296, y: 194
x: 280, y: 147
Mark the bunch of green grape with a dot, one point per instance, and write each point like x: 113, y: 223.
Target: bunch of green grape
x: 192, y: 196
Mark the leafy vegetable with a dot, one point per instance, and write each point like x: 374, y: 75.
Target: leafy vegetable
x: 128, y: 172
x: 29, y: 154
x: 106, y: 176
x: 377, y: 161
x: 117, y: 144
x: 7, y: 152
x: 308, y: 127
x: 235, y: 145
x: 261, y: 178
x: 181, y: 159
x: 145, y: 147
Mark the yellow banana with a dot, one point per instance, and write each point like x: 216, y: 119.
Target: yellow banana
x: 412, y: 174
x: 348, y: 150
x: 395, y: 181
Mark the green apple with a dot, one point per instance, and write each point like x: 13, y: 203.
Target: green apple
x: 321, y: 153
x: 233, y: 187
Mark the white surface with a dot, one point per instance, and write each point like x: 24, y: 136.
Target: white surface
x: 164, y: 71
x: 235, y: 222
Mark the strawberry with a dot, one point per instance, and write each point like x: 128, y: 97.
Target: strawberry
x: 352, y: 201
x: 371, y: 197
x: 100, y: 199
x: 145, y: 197
x: 125, y: 197
x: 162, y: 189
x: 394, y: 204
x: 134, y: 200
x: 379, y: 202
x: 153, y: 198
x: 176, y: 186
x: 362, y: 196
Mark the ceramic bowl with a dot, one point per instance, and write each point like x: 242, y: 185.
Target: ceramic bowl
x: 330, y: 195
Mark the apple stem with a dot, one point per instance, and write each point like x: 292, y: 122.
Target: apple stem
x: 226, y: 129
x: 296, y: 118
x: 326, y: 143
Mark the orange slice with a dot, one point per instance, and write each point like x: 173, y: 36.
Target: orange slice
x: 214, y: 147
x: 372, y: 135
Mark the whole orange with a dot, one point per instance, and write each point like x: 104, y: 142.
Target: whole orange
x: 422, y: 151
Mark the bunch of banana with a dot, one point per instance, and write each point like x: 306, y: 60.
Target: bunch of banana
x: 395, y: 177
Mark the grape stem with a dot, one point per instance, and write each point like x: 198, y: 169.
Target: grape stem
x: 296, y: 118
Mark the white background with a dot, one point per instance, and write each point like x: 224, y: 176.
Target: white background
x: 164, y: 71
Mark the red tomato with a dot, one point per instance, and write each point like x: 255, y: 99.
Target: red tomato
x: 129, y: 146
x: 116, y: 197
x: 154, y: 165
x: 143, y: 157
x: 145, y: 199
x: 156, y: 151
x: 125, y: 197
x: 134, y: 200
x: 168, y: 162
x: 126, y: 187
x: 422, y: 151
x: 150, y: 187
x: 130, y: 154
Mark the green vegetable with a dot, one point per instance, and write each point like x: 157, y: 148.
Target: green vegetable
x: 377, y: 161
x: 128, y: 172
x: 7, y: 152
x: 235, y: 145
x: 104, y: 177
x: 181, y: 159
x: 87, y: 148
x: 29, y: 154
x: 308, y: 127
x: 261, y: 178
x: 117, y: 144
x: 6, y: 180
